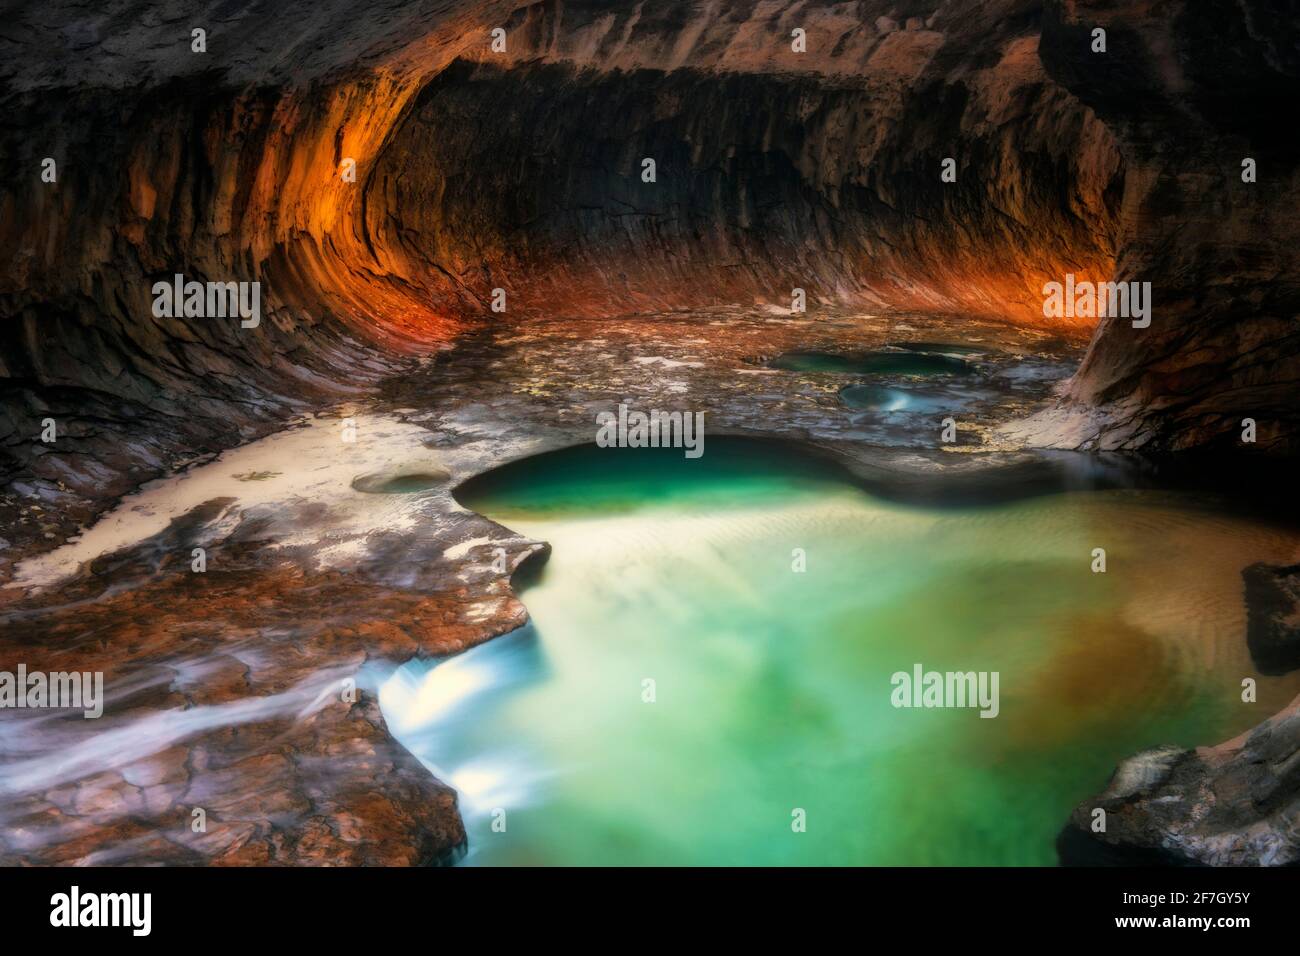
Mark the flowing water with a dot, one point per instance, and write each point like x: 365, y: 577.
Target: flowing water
x: 771, y: 693
x: 886, y: 398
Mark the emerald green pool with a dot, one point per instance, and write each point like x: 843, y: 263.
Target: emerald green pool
x: 873, y: 363
x: 772, y: 686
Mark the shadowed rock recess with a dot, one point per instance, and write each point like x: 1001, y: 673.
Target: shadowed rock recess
x: 522, y: 170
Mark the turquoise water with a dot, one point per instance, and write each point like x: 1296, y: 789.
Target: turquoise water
x: 866, y: 363
x: 771, y: 694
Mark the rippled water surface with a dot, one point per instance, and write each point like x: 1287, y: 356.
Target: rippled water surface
x: 771, y: 687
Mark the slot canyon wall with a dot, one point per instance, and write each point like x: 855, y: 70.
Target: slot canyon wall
x: 1191, y: 91
x: 773, y: 170
x: 522, y: 171
x: 220, y: 166
x: 225, y: 166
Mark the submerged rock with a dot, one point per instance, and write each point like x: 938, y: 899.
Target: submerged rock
x: 1273, y: 617
x: 400, y: 483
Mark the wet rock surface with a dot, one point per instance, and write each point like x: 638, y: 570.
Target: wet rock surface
x: 335, y: 551
x: 248, y: 690
x: 1230, y: 805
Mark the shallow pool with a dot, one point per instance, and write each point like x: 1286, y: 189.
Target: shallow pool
x: 873, y: 363
x: 707, y: 679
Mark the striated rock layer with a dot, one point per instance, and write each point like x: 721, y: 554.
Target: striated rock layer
x: 773, y: 170
x: 223, y: 166
x: 519, y: 170
x: 1190, y: 93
